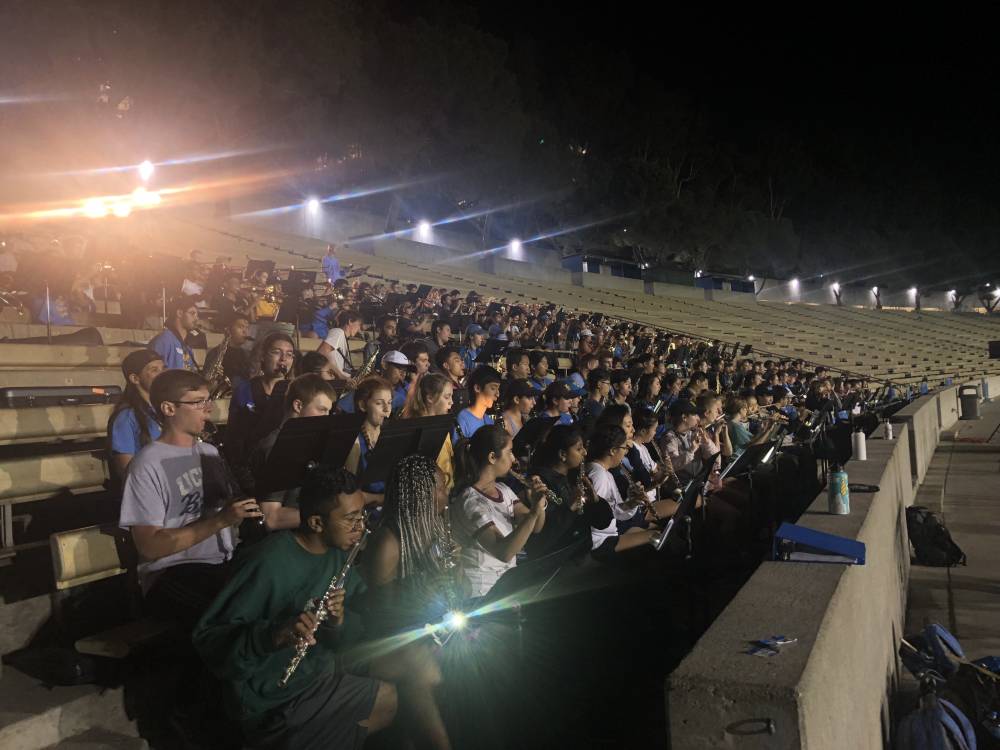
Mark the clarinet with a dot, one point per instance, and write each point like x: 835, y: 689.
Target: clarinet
x: 321, y: 609
x: 636, y: 489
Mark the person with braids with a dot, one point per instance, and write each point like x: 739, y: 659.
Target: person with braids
x: 374, y: 399
x: 133, y: 423
x: 490, y: 521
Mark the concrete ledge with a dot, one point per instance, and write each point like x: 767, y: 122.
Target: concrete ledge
x: 832, y: 688
x: 923, y: 419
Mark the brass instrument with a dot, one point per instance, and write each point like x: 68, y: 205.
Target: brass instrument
x: 219, y: 384
x: 364, y: 372
x: 321, y: 610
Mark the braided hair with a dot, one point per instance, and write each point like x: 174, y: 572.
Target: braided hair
x: 409, y: 506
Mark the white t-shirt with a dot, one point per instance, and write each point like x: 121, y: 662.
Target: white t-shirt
x: 472, y: 512
x: 605, y: 487
x: 649, y: 465
x: 340, y: 356
x: 194, y: 289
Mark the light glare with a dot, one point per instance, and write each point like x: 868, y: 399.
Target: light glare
x: 835, y: 286
x: 146, y: 170
x: 313, y: 204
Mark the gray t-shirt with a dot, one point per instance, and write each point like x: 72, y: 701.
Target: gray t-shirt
x: 164, y: 489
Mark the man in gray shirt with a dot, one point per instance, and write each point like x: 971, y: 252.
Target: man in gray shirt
x: 182, y: 544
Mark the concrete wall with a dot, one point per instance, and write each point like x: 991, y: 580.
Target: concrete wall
x: 607, y: 281
x: 831, y: 689
x: 924, y: 417
x: 661, y: 289
x: 542, y: 274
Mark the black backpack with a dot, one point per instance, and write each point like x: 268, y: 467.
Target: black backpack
x: 932, y: 544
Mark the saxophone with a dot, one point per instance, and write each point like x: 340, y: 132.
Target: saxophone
x: 366, y: 369
x: 219, y: 383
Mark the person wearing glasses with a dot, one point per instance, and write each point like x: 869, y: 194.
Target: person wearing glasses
x: 182, y: 544
x: 258, y: 404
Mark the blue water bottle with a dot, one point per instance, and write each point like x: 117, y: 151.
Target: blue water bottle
x: 838, y: 497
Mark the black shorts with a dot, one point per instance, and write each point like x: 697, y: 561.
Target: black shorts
x: 328, y: 714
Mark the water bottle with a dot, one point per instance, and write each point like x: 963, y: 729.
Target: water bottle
x: 838, y: 497
x: 888, y: 430
x: 859, y: 446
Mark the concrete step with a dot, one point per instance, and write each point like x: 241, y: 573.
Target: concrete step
x: 33, y: 716
x: 99, y: 739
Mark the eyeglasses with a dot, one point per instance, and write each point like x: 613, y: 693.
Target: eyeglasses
x: 354, y: 524
x: 202, y: 403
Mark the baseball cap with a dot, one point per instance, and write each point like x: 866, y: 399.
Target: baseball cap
x: 575, y: 391
x: 586, y: 332
x: 134, y: 362
x: 396, y: 358
x: 474, y: 330
x: 558, y: 389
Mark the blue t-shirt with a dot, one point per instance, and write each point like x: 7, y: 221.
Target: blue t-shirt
x: 469, y: 423
x: 331, y: 267
x: 375, y: 488
x: 539, y: 385
x: 176, y: 354
x: 322, y: 318
x: 469, y: 357
x: 125, y: 432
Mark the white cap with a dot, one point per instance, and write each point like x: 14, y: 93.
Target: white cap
x: 397, y: 358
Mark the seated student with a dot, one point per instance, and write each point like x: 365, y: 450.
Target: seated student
x: 249, y: 635
x: 386, y: 340
x: 588, y: 363
x: 540, y: 378
x: 308, y: 396
x: 484, y: 389
x: 182, y: 545
x: 432, y: 397
x: 450, y: 364
x: 684, y: 444
x: 489, y: 520
x: 518, y: 366
x: 133, y: 423
x: 556, y: 402
x: 418, y: 355
x: 335, y: 346
x: 518, y: 403
x: 171, y: 342
x: 257, y: 405
x: 558, y: 463
x: 598, y: 389
x: 474, y: 338
x: 395, y: 368
x: 711, y: 419
x: 314, y: 363
x: 739, y: 431
x: 648, y: 463
x: 647, y: 391
x: 235, y: 360
x: 624, y: 529
x: 374, y: 400
x: 621, y: 381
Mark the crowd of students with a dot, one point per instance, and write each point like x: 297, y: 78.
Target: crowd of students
x: 534, y: 464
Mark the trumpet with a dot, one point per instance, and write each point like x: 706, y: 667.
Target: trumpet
x: 321, y: 612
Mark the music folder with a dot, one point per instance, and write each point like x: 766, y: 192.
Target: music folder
x: 794, y: 543
x: 492, y: 349
x: 399, y: 438
x: 303, y: 443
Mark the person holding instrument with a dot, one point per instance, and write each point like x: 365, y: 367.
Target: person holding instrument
x: 182, y: 545
x: 490, y: 521
x: 374, y: 399
x: 249, y: 635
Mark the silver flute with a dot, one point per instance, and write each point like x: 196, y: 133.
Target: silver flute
x: 322, y: 612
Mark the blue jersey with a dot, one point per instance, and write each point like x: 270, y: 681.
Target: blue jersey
x: 125, y: 432
x: 331, y: 267
x: 469, y: 423
x: 176, y: 354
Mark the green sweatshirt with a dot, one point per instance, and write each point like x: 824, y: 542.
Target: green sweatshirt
x: 274, y: 581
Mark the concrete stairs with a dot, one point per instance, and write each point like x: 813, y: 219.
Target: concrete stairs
x: 33, y: 716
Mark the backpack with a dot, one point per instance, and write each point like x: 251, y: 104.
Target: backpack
x: 937, y: 724
x: 932, y: 544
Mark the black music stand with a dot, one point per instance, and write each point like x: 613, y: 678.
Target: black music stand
x: 493, y: 349
x: 253, y: 266
x: 404, y: 437
x: 304, y: 443
x: 688, y: 503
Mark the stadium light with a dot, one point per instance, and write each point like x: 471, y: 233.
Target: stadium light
x: 835, y: 286
x: 121, y: 209
x: 913, y: 291
x: 424, y: 230
x: 996, y: 292
x: 515, y: 246
x: 313, y: 204
x: 697, y: 274
x: 794, y: 282
x: 951, y: 293
x: 875, y: 290
x: 94, y: 208
x: 750, y: 278
x: 146, y: 170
